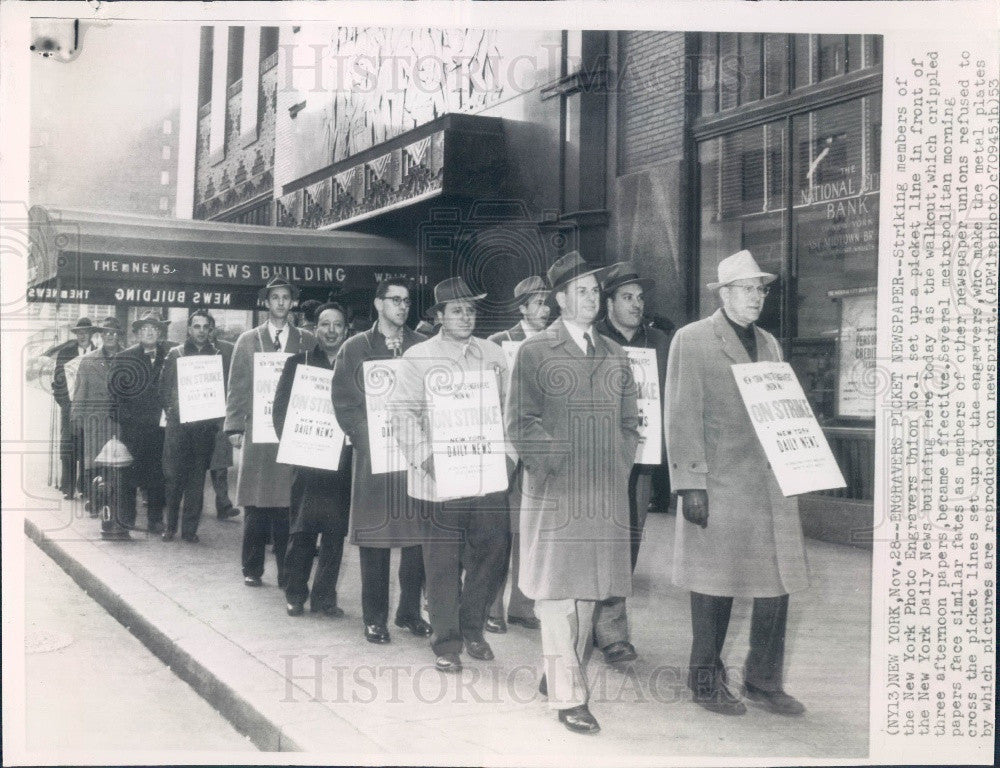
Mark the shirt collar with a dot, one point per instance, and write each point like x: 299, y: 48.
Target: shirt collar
x: 272, y: 331
x: 741, y: 330
x: 576, y: 333
x: 528, y: 330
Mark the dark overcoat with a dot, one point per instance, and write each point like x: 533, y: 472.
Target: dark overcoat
x: 135, y: 392
x: 262, y: 481
x: 222, y: 457
x: 753, y: 544
x: 574, y: 422
x: 320, y: 498
x: 382, y: 515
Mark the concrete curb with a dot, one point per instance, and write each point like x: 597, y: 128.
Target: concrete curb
x: 250, y: 722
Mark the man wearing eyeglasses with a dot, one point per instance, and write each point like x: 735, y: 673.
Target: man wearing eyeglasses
x: 737, y: 536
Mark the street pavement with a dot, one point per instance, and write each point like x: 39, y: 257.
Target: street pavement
x: 312, y: 683
x: 94, y: 688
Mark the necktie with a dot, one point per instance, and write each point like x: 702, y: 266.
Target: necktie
x: 590, y: 345
x: 277, y: 340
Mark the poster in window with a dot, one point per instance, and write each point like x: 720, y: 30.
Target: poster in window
x: 856, y: 370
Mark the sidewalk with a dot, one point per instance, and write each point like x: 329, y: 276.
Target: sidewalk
x: 314, y: 684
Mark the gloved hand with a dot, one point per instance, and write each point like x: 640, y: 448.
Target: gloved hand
x: 694, y: 506
x: 428, y: 466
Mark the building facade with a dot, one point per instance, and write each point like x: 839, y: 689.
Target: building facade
x: 493, y: 152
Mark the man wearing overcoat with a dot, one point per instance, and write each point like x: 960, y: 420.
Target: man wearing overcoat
x: 465, y: 545
x: 737, y: 536
x: 135, y: 391
x: 573, y: 420
x: 624, y: 322
x: 382, y: 515
x: 263, y: 487
x: 70, y: 437
x: 91, y: 411
x: 320, y: 498
x: 531, y: 295
x: 188, y: 448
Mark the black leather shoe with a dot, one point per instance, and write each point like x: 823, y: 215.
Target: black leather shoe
x: 618, y: 652
x: 528, y: 622
x: 330, y: 611
x: 496, y: 625
x: 168, y: 535
x: 778, y: 702
x: 155, y: 529
x: 226, y: 514
x: 377, y: 633
x: 543, y: 686
x: 252, y: 581
x: 448, y: 662
x: 295, y: 609
x: 417, y: 626
x: 579, y: 720
x: 191, y: 538
x: 479, y: 649
x: 721, y: 701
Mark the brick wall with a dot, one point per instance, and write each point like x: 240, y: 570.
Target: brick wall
x: 650, y: 98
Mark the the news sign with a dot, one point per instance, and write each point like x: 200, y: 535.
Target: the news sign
x: 787, y: 429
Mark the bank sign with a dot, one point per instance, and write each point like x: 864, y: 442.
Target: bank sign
x: 100, y: 279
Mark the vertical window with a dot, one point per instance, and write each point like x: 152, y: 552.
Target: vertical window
x: 165, y: 154
x: 268, y: 41
x: 805, y: 60
x: 168, y: 127
x: 234, y: 66
x: 750, y: 68
x: 708, y: 73
x: 164, y: 178
x: 832, y: 56
x: 571, y: 154
x: 164, y: 203
x: 729, y: 71
x: 205, y: 67
x: 775, y: 64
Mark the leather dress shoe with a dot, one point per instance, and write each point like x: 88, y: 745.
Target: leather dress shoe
x: 116, y: 536
x: 448, y: 662
x: 618, y: 652
x: 543, y: 686
x: 778, y: 702
x: 528, y: 622
x: 417, y: 626
x: 720, y: 701
x: 225, y: 514
x: 377, y: 633
x: 155, y: 529
x: 168, y: 535
x: 252, y: 581
x: 579, y: 720
x: 191, y: 538
x: 330, y: 611
x: 295, y: 609
x: 496, y: 625
x: 479, y: 649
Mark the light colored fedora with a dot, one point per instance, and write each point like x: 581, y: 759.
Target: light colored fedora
x: 739, y: 266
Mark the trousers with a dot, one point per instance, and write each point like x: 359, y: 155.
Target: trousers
x: 298, y: 565
x: 709, y: 625
x: 567, y: 627
x: 186, y: 480
x: 261, y: 524
x: 375, y: 562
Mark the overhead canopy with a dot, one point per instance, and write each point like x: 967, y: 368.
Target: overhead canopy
x: 109, y: 258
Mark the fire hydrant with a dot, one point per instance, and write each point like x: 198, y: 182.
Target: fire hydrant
x: 110, y: 463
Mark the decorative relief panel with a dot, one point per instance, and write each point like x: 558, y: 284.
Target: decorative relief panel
x: 246, y: 173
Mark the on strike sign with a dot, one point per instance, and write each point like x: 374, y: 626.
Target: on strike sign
x: 787, y: 429
x: 201, y: 392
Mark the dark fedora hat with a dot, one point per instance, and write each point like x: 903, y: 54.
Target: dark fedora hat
x: 110, y: 324
x: 452, y: 289
x: 277, y: 282
x: 150, y: 318
x: 84, y: 324
x: 529, y: 287
x: 623, y: 273
x: 569, y: 267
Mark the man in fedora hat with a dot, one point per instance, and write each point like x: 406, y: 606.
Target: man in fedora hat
x: 263, y: 488
x: 737, y: 536
x: 382, y: 517
x: 624, y: 322
x: 70, y: 437
x: 135, y: 393
x: 468, y: 536
x: 91, y: 409
x: 573, y: 419
x: 531, y: 295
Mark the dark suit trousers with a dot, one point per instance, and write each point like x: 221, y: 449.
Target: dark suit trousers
x: 220, y: 484
x: 261, y: 524
x: 470, y: 536
x: 71, y: 477
x: 375, y: 563
x: 187, y: 480
x: 298, y: 565
x: 709, y: 624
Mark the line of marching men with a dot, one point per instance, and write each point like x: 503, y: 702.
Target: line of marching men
x: 568, y: 527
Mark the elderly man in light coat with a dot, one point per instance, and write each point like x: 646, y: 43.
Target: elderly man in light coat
x: 573, y: 419
x: 737, y: 536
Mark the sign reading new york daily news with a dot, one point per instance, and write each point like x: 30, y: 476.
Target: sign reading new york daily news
x: 647, y: 380
x: 311, y: 436
x: 787, y: 429
x: 201, y: 392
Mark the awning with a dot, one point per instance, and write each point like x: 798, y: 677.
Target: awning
x: 110, y: 258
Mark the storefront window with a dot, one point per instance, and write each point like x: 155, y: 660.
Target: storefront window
x: 750, y: 70
x: 775, y: 64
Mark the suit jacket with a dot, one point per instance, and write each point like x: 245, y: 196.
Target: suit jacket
x: 135, y: 389
x: 753, y: 544
x: 381, y: 512
x: 574, y: 422
x: 262, y: 481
